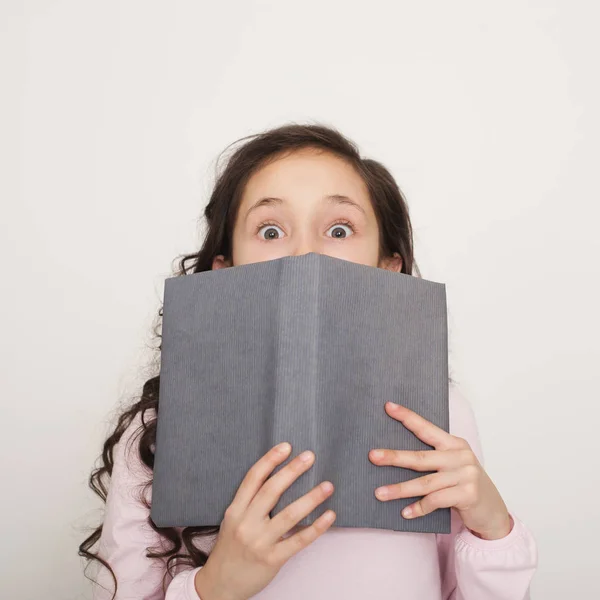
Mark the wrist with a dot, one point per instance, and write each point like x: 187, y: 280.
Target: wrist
x: 496, y: 533
x: 205, y: 588
x: 200, y: 586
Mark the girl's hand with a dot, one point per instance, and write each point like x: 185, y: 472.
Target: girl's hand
x: 249, y: 552
x: 461, y: 482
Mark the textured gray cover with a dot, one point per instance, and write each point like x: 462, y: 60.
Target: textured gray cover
x: 305, y: 349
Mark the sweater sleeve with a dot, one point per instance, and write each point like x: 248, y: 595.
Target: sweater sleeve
x: 126, y: 535
x: 473, y: 568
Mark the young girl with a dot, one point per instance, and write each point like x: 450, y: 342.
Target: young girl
x: 292, y: 190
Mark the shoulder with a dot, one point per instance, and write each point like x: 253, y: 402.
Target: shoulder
x: 462, y: 418
x: 127, y: 533
x: 459, y: 406
x: 127, y: 461
x: 130, y: 488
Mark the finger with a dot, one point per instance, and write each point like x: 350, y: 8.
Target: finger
x: 268, y: 495
x: 284, y: 520
x: 419, y: 460
x: 445, y: 498
x: 285, y: 549
x: 425, y: 430
x: 420, y: 486
x: 258, y: 473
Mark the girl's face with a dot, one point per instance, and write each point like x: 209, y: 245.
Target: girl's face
x: 307, y: 201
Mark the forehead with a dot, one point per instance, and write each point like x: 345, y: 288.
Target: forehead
x: 310, y: 171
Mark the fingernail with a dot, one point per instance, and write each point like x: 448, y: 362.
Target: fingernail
x: 306, y: 456
x: 283, y: 448
x: 381, y: 492
x: 392, y: 405
x: 407, y: 512
x: 376, y: 453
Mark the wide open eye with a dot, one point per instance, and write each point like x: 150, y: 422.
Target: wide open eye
x: 339, y: 226
x: 268, y: 227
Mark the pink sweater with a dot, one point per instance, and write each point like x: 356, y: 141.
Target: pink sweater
x: 344, y: 563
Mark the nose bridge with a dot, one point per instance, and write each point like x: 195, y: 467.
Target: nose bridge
x: 306, y: 242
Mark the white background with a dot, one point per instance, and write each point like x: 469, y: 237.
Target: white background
x: 111, y: 117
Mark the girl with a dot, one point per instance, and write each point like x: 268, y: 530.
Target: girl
x: 288, y: 191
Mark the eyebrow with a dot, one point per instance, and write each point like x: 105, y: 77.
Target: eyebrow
x: 337, y: 199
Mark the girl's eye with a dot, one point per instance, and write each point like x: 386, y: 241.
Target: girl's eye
x: 270, y: 226
x: 336, y: 226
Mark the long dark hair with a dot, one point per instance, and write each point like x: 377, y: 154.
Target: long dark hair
x: 396, y: 235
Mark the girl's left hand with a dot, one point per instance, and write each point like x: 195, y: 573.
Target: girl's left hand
x: 460, y: 481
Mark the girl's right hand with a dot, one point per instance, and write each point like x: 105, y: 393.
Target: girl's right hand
x: 249, y: 551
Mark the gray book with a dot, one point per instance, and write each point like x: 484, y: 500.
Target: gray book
x: 305, y: 349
